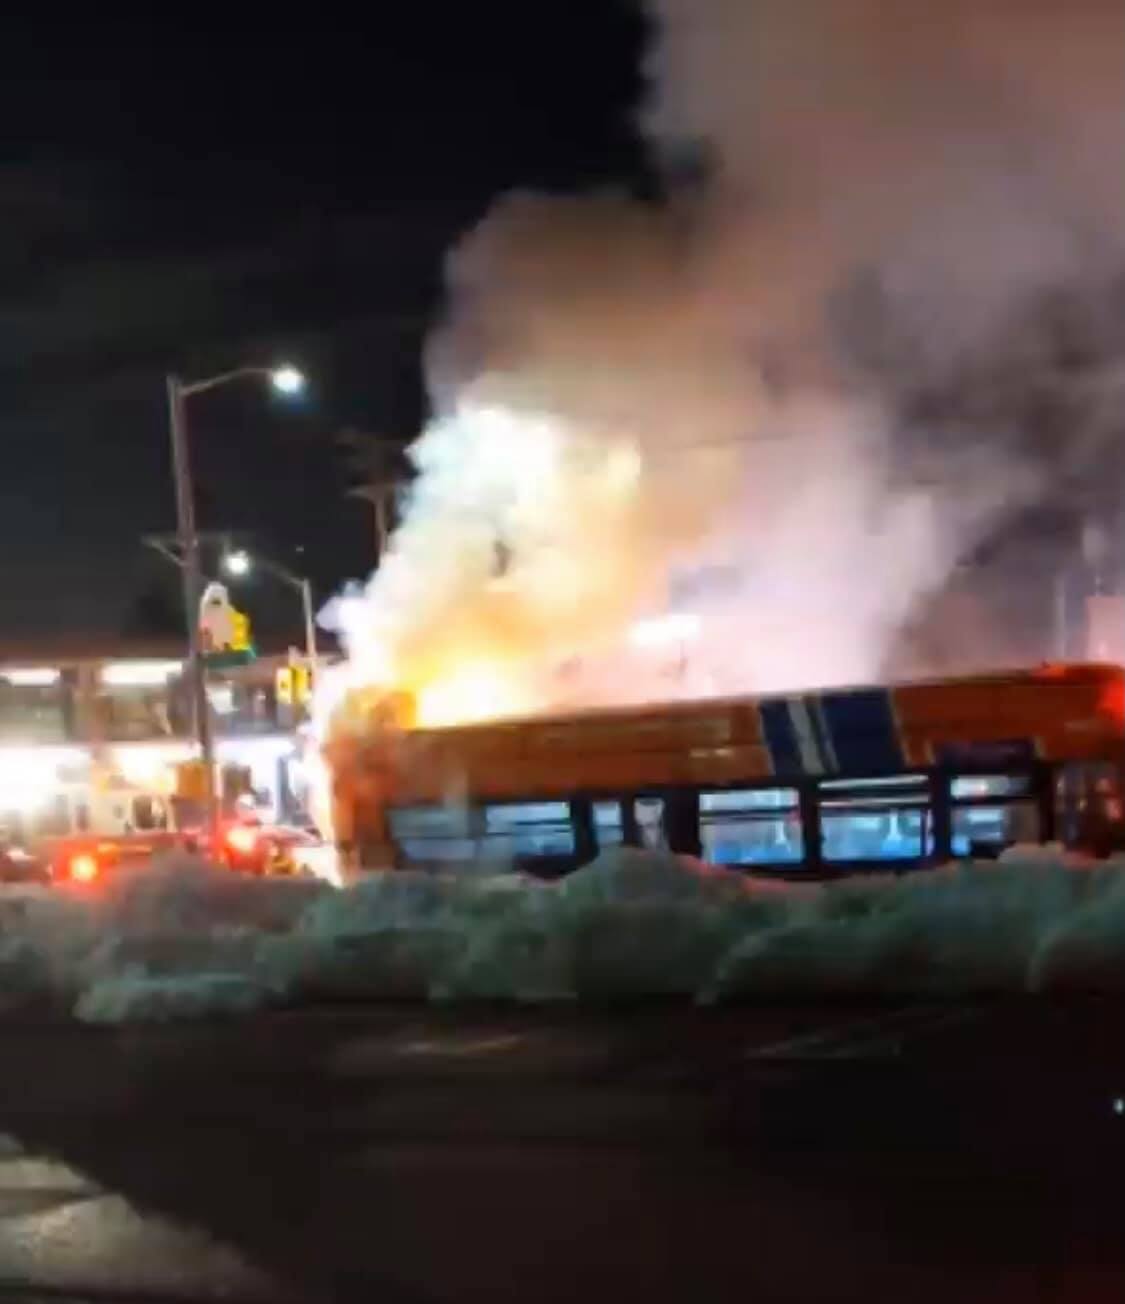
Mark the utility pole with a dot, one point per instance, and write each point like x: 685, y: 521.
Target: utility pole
x: 310, y: 628
x: 193, y: 593
x: 380, y: 496
x: 285, y: 380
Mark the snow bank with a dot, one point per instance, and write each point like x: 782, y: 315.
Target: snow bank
x: 182, y: 939
x: 169, y: 939
x: 132, y: 997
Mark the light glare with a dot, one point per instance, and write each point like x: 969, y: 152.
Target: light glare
x: 468, y: 695
x: 84, y: 868
x: 237, y: 563
x: 32, y: 677
x: 287, y: 380
x: 676, y: 627
x: 139, y: 674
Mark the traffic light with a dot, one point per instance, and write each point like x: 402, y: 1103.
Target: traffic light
x: 224, y: 631
x: 240, y: 631
x: 284, y: 683
x: 293, y: 684
x: 302, y: 684
x: 191, y: 781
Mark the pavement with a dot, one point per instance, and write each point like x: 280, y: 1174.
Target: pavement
x: 973, y: 1151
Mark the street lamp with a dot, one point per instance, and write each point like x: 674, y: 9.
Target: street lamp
x: 239, y: 562
x: 286, y: 380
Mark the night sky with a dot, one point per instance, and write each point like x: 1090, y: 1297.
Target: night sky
x: 197, y: 197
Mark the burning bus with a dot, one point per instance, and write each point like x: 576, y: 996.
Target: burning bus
x: 798, y: 785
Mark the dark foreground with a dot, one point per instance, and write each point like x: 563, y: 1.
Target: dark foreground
x: 924, y: 1153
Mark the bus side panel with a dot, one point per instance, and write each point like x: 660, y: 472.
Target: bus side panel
x: 606, y: 772
x: 683, y: 727
x: 1057, y: 719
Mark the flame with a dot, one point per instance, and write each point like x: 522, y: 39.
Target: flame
x: 468, y: 694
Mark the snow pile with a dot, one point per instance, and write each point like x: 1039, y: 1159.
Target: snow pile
x: 172, y: 938
x: 631, y: 923
x: 969, y: 927
x: 133, y: 997
x: 387, y: 936
x: 181, y: 939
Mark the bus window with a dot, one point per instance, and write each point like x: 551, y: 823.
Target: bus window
x: 885, y: 819
x: 649, y: 814
x: 1089, y: 810
x: 609, y: 824
x: 535, y: 828
x: 968, y: 786
x: 756, y: 826
x: 993, y: 826
x: 432, y: 833
x: 984, y: 827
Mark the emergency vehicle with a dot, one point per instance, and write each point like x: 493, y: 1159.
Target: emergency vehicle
x: 97, y: 826
x: 101, y: 823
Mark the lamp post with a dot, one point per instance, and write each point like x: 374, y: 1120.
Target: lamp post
x: 241, y: 563
x: 286, y: 380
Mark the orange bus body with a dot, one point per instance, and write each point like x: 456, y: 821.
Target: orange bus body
x: 1056, y: 713
x: 909, y: 774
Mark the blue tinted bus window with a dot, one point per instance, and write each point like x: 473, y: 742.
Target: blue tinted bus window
x: 753, y: 826
x: 884, y: 819
x: 894, y: 835
x: 967, y: 786
x: 609, y: 827
x: 540, y: 828
x: 428, y: 821
x: 438, y: 834
x: 994, y: 826
x: 747, y: 800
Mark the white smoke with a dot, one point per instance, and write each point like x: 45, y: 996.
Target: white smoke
x: 631, y: 397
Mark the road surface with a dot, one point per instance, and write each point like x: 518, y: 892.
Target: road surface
x: 966, y: 1152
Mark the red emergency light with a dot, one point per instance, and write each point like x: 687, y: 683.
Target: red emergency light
x: 83, y: 868
x: 242, y: 839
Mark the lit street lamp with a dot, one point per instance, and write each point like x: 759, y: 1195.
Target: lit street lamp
x: 237, y: 563
x: 286, y: 380
x: 240, y: 563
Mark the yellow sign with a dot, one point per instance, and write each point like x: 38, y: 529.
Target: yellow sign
x: 191, y: 781
x: 294, y: 685
x: 224, y: 632
x: 239, y: 631
x: 302, y: 683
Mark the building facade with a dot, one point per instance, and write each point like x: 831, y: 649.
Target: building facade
x: 130, y: 706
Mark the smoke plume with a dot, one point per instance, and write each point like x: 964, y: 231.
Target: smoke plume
x: 792, y: 395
